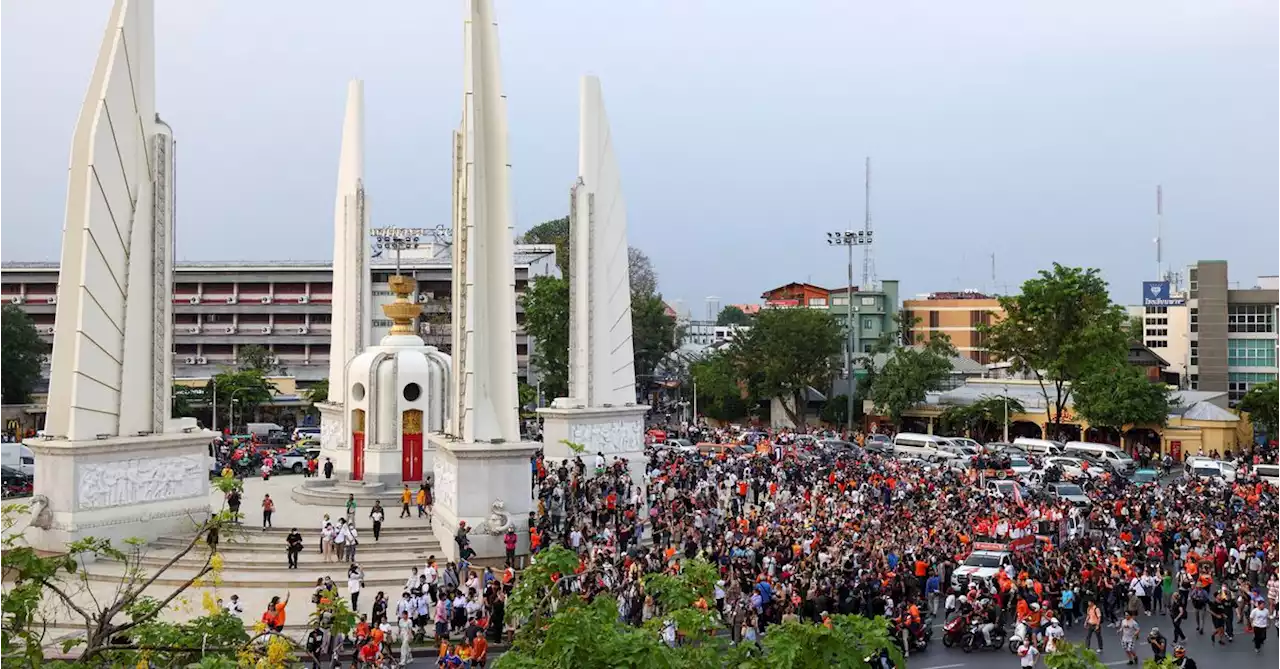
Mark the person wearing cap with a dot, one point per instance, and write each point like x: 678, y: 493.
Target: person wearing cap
x: 1259, y: 618
x: 1158, y: 644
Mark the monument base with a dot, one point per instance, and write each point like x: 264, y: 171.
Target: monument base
x: 489, y: 487
x: 333, y: 439
x: 118, y: 488
x: 614, y: 431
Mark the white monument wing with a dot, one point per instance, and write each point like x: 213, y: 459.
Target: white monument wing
x: 352, y: 294
x: 601, y: 283
x: 114, y: 261
x: 484, y: 383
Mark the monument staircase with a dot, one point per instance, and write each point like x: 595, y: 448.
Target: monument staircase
x: 320, y: 491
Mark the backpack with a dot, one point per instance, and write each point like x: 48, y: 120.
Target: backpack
x: 1199, y: 596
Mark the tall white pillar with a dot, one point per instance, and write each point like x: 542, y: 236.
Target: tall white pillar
x: 113, y: 464
x: 352, y: 287
x: 481, y: 468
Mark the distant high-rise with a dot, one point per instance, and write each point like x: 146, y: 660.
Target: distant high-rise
x: 713, y: 307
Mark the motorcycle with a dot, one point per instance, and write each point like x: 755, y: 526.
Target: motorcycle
x: 953, y: 631
x: 973, y: 639
x: 1019, y: 635
x: 918, y: 642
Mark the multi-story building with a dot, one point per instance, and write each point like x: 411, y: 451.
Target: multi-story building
x: 873, y: 312
x: 1165, y: 331
x: 958, y: 315
x: 1232, y: 332
x: 284, y: 306
x: 796, y: 295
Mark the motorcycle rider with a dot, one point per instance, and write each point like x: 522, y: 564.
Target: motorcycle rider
x: 1180, y: 659
x: 991, y: 618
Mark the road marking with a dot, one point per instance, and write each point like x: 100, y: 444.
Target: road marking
x: 1117, y: 662
x: 945, y: 666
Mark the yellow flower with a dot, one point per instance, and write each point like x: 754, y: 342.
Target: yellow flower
x: 215, y: 562
x: 208, y: 604
x: 259, y: 627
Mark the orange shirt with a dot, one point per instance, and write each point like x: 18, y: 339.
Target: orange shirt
x: 280, y: 614
x: 479, y: 648
x: 406, y: 496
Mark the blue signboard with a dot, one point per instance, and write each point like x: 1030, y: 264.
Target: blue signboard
x: 1156, y: 294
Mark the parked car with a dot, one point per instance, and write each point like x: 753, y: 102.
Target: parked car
x: 1007, y: 448
x: 1113, y: 457
x: 836, y: 446
x: 965, y: 442
x: 1074, y: 468
x: 1268, y: 473
x: 878, y: 443
x: 1040, y: 446
x: 294, y: 460
x: 1019, y: 464
x: 15, y: 483
x: 1069, y: 492
x: 1207, y: 468
x: 1144, y: 476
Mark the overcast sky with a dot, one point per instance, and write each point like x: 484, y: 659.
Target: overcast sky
x: 1033, y: 130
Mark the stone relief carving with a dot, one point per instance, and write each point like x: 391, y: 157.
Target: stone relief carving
x: 618, y: 436
x: 499, y: 520
x: 141, y: 480
x: 331, y: 434
x: 446, y: 483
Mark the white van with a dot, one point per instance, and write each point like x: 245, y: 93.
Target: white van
x: 19, y: 457
x: 1040, y: 447
x: 924, y: 446
x: 262, y: 429
x: 1113, y: 457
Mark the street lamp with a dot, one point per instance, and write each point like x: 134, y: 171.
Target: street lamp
x: 850, y: 239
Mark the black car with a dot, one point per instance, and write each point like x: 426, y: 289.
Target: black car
x: 15, y: 483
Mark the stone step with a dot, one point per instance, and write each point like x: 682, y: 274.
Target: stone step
x: 273, y: 542
x: 307, y: 561
x: 334, y: 496
x: 279, y: 579
x: 362, y: 524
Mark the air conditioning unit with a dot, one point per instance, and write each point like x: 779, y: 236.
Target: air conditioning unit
x: 190, y: 360
x: 266, y: 329
x: 52, y: 299
x: 303, y: 299
x: 305, y: 362
x: 266, y: 299
x: 302, y: 330
x: 194, y: 329
x: 195, y: 299
x: 16, y: 299
x: 202, y: 360
x: 231, y: 329
x: 231, y: 300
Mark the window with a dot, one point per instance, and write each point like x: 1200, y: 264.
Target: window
x: 1239, y: 383
x: 1195, y: 353
x: 1251, y: 318
x: 839, y: 301
x: 868, y: 323
x: 1251, y: 353
x: 1157, y: 332
x: 933, y: 319
x: 1157, y: 310
x: 817, y: 301
x: 1195, y: 381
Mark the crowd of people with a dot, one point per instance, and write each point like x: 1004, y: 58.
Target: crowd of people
x: 799, y: 533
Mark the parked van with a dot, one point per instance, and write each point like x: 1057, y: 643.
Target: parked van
x: 19, y: 457
x: 261, y: 430
x: 924, y: 446
x: 1040, y: 447
x: 1113, y: 457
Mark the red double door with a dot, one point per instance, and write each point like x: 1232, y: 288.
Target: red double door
x: 411, y: 445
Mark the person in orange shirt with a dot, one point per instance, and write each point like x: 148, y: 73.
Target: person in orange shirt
x: 274, y: 617
x: 406, y: 496
x: 479, y: 652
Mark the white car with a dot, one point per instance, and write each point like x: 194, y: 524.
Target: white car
x: 965, y: 442
x: 1268, y: 473
x: 682, y: 445
x: 293, y: 461
x: 1019, y: 465
x: 1073, y: 468
x: 981, y: 565
x: 1205, y: 467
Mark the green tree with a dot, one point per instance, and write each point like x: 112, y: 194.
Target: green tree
x: 721, y: 395
x: 733, y: 315
x: 1133, y: 329
x: 528, y: 396
x: 319, y: 391
x: 1120, y: 395
x: 836, y: 410
x: 546, y: 319
x: 785, y: 353
x: 653, y: 335
x: 249, y: 388
x: 909, y: 373
x: 555, y: 231
x: 1261, y: 404
x: 21, y: 355
x: 1073, y: 656
x: 183, y: 399
x: 643, y: 278
x: 256, y: 358
x: 982, y: 420
x: 1059, y: 327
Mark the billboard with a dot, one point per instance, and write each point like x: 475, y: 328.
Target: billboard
x: 1156, y: 294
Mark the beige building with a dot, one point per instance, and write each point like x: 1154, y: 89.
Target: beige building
x: 1165, y: 331
x: 957, y: 315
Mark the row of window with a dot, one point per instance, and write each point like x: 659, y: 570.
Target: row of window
x: 1157, y: 332
x: 1251, y: 353
x: 1239, y: 383
x: 1251, y: 318
x: 1158, y: 321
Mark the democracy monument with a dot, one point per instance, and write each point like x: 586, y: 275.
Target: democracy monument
x: 113, y: 464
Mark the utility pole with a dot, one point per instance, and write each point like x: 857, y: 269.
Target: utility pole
x: 849, y: 239
x: 868, y: 263
x: 1159, y: 230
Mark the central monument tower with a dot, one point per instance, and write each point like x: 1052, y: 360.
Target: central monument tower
x: 481, y: 466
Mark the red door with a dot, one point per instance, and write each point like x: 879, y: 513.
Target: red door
x: 357, y: 456
x: 411, y: 445
x: 411, y: 457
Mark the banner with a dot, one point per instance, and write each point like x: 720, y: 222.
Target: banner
x: 1157, y: 294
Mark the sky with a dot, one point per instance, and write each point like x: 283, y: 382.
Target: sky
x: 1033, y: 131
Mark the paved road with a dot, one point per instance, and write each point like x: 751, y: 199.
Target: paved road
x: 1237, y: 655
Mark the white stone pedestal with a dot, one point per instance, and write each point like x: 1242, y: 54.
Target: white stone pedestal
x: 335, y: 442
x: 614, y: 431
x: 470, y: 479
x: 119, y: 488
